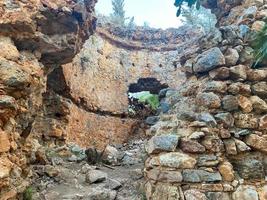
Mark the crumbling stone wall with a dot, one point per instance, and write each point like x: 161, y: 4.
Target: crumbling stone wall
x: 218, y: 116
x: 34, y: 35
x: 212, y: 145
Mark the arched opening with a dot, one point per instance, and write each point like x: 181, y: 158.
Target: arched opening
x: 144, y: 99
x: 147, y: 84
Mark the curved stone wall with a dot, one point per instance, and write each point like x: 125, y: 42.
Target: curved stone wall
x: 105, y: 71
x: 98, y: 80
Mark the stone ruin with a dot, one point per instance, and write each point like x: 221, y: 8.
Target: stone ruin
x: 212, y: 144
x: 62, y: 80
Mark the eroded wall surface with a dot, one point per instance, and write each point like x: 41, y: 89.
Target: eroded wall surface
x: 98, y: 80
x: 33, y: 36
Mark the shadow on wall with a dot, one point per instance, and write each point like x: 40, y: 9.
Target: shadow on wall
x: 56, y: 82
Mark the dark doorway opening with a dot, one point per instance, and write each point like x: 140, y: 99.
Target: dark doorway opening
x: 147, y: 84
x: 144, y: 100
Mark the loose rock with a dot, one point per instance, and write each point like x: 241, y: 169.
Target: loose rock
x: 215, y: 86
x: 263, y: 122
x: 4, y: 142
x: 230, y: 146
x: 95, y: 176
x: 226, y: 118
x: 207, y: 161
x: 5, y: 167
x: 246, y: 121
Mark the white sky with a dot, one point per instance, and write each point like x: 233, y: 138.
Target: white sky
x: 158, y: 13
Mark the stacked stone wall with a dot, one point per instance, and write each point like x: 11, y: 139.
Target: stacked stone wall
x: 212, y: 145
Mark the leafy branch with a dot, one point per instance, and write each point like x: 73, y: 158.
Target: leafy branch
x: 260, y: 46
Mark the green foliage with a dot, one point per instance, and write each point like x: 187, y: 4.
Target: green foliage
x: 131, y: 25
x: 147, y: 98
x: 28, y: 193
x: 199, y: 17
x: 146, y: 25
x: 118, y: 15
x: 260, y: 46
x: 190, y: 3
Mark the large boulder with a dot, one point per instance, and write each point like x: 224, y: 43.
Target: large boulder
x: 95, y: 176
x: 209, y: 60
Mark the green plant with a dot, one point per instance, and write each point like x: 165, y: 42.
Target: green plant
x: 151, y: 99
x: 118, y: 15
x: 260, y: 46
x: 131, y: 24
x: 28, y: 193
x: 190, y: 3
x: 146, y: 25
x: 146, y: 97
x: 199, y: 17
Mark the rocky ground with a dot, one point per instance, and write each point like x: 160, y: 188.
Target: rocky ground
x: 66, y: 174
